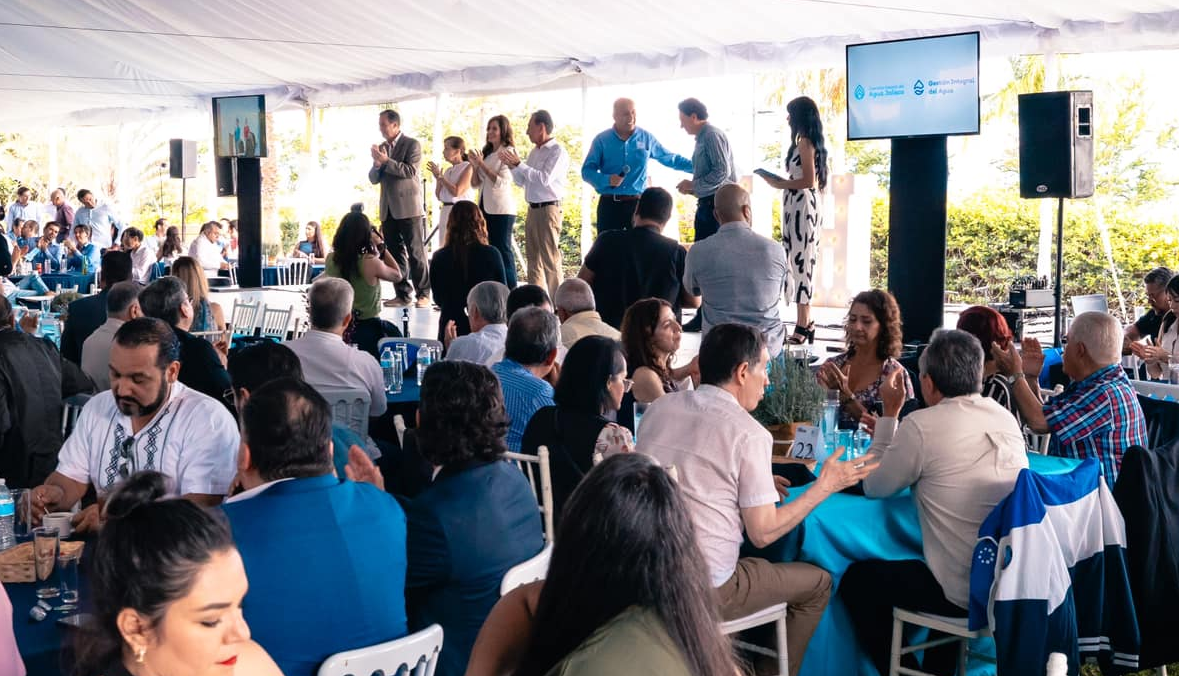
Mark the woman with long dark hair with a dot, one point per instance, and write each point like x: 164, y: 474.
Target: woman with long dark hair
x: 172, y: 247
x: 312, y: 246
x: 802, y: 207
x: 588, y: 395
x: 359, y: 256
x: 650, y: 338
x: 494, y: 178
x: 207, y: 315
x: 464, y: 261
x: 168, y: 585
x: 627, y: 590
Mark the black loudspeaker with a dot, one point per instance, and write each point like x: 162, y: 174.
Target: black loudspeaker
x: 226, y: 176
x: 1056, y: 144
x: 182, y: 158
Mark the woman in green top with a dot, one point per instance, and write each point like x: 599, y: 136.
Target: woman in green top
x: 360, y: 257
x: 627, y: 590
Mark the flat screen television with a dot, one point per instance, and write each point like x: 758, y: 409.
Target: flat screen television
x: 914, y: 87
x: 239, y: 126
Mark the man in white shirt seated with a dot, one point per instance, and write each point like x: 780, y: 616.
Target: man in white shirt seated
x: 122, y: 305
x: 578, y: 315
x: 147, y: 420
x: 961, y: 456
x: 142, y: 258
x: 487, y: 310
x: 328, y: 362
x: 206, y: 249
x: 722, y: 456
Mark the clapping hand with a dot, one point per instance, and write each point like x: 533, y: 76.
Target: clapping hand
x: 1152, y: 353
x: 474, y: 156
x: 1032, y: 357
x: 509, y: 157
x: 833, y: 377
x: 434, y: 169
x: 380, y: 157
x: 892, y: 393
x: 360, y: 468
x: 837, y: 474
x: 28, y: 323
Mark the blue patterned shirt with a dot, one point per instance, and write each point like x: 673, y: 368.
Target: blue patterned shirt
x: 1098, y: 417
x: 524, y: 395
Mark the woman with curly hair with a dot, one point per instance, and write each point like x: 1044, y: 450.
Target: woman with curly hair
x: 476, y: 520
x: 872, y: 332
x: 650, y: 338
x: 464, y: 261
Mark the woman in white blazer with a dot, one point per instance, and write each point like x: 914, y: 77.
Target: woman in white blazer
x: 494, y: 180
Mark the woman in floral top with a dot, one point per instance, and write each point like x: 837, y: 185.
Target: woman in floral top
x: 873, y: 336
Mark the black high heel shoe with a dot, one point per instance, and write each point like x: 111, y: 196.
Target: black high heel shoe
x: 802, y: 335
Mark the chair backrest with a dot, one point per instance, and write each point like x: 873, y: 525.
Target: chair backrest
x: 536, y: 469
x: 349, y: 408
x: 301, y: 328
x: 246, y: 316
x: 211, y: 336
x: 411, y: 346
x: 275, y: 322
x: 291, y: 271
x: 413, y: 655
x: 530, y: 571
x: 70, y: 410
x: 1094, y: 302
x: 67, y: 289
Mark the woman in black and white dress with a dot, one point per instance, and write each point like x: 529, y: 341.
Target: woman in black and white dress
x: 802, y: 207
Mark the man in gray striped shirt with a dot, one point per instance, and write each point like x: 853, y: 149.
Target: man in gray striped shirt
x: 712, y: 165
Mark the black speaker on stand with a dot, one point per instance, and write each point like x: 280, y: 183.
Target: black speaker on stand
x: 182, y: 164
x: 1056, y: 160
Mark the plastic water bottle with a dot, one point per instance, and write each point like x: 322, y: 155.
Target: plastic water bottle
x: 387, y: 367
x: 425, y: 358
x: 7, y: 517
x: 1057, y: 665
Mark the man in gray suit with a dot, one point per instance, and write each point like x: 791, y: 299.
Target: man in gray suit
x: 396, y: 164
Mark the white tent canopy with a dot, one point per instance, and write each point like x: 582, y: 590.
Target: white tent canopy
x: 105, y: 61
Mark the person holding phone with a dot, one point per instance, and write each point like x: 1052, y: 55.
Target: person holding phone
x: 802, y: 207
x: 360, y: 257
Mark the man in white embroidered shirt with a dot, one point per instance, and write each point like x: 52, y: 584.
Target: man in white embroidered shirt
x: 961, y: 455
x: 147, y: 420
x: 487, y: 310
x: 543, y: 179
x: 722, y: 456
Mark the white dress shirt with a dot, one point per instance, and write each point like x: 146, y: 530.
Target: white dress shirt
x: 330, y: 363
x: 207, y: 255
x: 141, y: 261
x: 96, y: 353
x: 496, y: 193
x: 543, y: 174
x: 192, y: 439
x: 485, y: 346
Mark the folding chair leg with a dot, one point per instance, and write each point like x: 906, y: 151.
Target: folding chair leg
x: 783, y: 656
x: 962, y: 647
x: 894, y: 660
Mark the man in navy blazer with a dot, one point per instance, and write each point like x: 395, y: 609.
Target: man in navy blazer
x: 479, y: 517
x: 85, y: 315
x: 325, y: 556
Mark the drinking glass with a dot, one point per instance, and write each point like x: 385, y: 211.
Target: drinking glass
x: 844, y: 441
x: 640, y: 411
x: 403, y: 350
x: 398, y: 372
x: 45, y: 549
x: 21, y: 521
x: 1173, y: 371
x: 67, y: 575
x: 861, y: 440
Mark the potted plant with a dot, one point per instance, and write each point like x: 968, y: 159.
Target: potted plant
x: 793, y: 397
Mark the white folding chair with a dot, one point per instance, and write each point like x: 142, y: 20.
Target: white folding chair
x: 1036, y: 443
x: 291, y: 271
x: 211, y: 336
x: 956, y: 627
x: 399, y: 427
x: 275, y: 322
x: 414, y: 655
x: 775, y: 615
x: 541, y: 482
x: 70, y: 410
x: 66, y: 289
x: 246, y: 316
x: 301, y: 328
x: 350, y: 408
x: 525, y: 573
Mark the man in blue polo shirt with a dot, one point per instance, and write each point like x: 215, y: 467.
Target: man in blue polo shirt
x: 530, y: 355
x: 616, y: 166
x: 325, y: 556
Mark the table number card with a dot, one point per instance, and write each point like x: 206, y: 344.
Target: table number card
x: 808, y: 441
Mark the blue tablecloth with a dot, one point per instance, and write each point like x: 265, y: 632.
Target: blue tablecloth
x: 40, y: 643
x: 68, y: 279
x: 270, y: 274
x: 410, y: 392
x: 848, y: 528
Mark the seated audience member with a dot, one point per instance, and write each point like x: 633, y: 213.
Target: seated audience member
x: 722, y: 456
x: 624, y: 266
x: 11, y: 663
x: 961, y: 456
x: 739, y: 274
x: 575, y: 309
x: 588, y: 394
x: 81, y: 253
x: 29, y: 285
x: 49, y: 254
x: 207, y: 250
x: 33, y: 381
x: 528, y: 295
x: 1098, y: 415
x: 312, y: 246
x: 464, y: 261
x: 651, y: 337
x: 142, y: 258
x: 147, y: 420
x: 207, y: 315
x: 873, y: 338
x: 530, y: 352
x: 293, y: 498
x: 1149, y: 324
x: 172, y: 247
x: 202, y: 366
x: 167, y: 584
x: 85, y: 315
x: 29, y: 234
x: 487, y: 310
x: 1165, y: 351
x: 328, y: 362
x: 988, y: 326
x: 597, y: 613
x: 359, y: 256
x: 253, y: 366
x: 479, y: 517
x: 122, y: 305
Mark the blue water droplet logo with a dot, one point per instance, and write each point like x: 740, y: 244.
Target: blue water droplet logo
x: 859, y: 92
x: 919, y: 88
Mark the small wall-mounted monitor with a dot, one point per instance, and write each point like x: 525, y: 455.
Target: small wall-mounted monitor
x: 239, y: 126
x: 914, y: 87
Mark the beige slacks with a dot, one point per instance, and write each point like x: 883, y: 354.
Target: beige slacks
x: 542, y: 244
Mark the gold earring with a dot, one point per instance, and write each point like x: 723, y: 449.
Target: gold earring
x: 140, y: 652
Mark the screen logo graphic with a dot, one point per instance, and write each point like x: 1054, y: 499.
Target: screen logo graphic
x: 859, y: 92
x: 919, y: 88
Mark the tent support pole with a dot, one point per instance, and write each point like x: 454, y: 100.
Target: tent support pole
x: 587, y: 193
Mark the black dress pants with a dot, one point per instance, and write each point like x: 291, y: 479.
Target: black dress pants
x: 615, y: 214
x: 706, y: 223
x: 405, y: 238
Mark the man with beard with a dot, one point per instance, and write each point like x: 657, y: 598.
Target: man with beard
x: 147, y: 420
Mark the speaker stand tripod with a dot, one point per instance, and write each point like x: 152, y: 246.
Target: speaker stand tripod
x: 1058, y: 328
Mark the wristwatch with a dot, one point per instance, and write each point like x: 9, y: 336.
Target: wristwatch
x: 1012, y: 378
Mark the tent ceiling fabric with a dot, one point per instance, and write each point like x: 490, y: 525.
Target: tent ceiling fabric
x: 100, y: 61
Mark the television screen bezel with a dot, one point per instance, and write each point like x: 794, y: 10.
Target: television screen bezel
x: 848, y: 85
x: 261, y: 121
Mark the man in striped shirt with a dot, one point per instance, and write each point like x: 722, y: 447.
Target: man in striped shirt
x: 1098, y: 415
x: 530, y: 355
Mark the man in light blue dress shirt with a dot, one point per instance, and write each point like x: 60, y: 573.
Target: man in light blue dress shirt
x: 23, y: 209
x: 616, y: 166
x: 99, y: 218
x: 529, y: 355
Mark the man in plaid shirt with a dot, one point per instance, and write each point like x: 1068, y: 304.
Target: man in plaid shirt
x: 1098, y: 415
